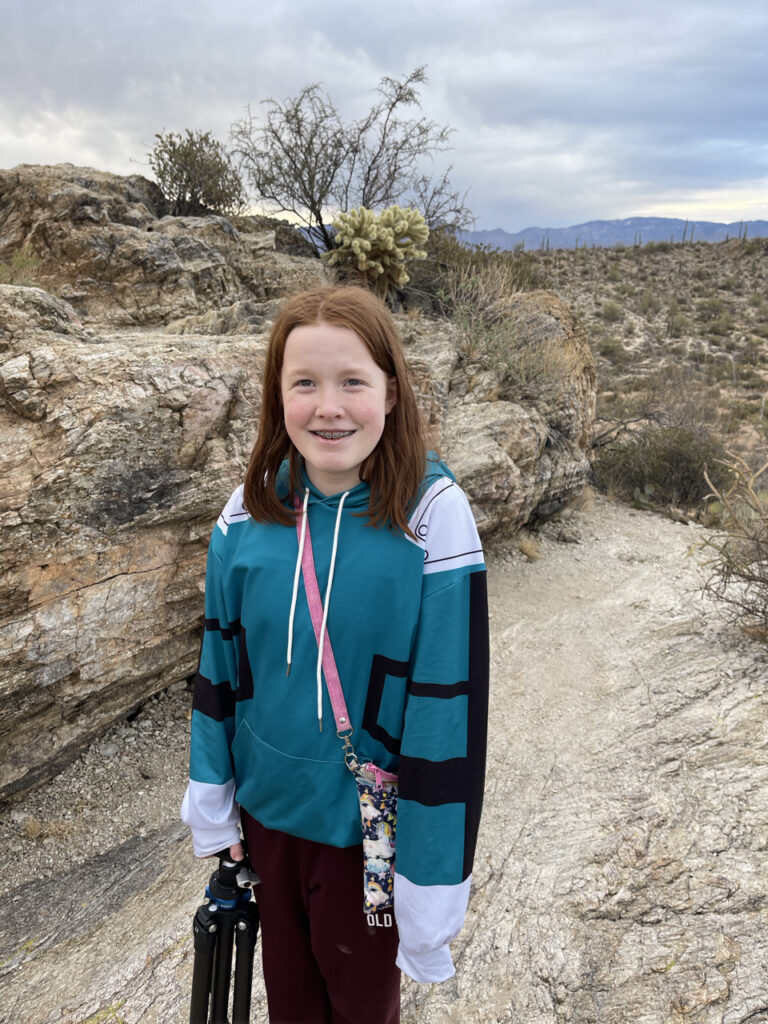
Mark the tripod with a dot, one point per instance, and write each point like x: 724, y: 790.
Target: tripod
x: 229, y: 915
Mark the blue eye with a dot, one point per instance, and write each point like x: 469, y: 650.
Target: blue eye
x: 354, y: 382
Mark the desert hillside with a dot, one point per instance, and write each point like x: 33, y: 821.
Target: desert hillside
x: 680, y: 330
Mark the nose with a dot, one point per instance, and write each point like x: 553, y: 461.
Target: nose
x: 329, y: 404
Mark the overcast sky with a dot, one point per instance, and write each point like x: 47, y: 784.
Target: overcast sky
x: 563, y: 111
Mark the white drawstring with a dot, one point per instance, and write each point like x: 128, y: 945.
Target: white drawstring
x: 296, y: 575
x: 325, y: 611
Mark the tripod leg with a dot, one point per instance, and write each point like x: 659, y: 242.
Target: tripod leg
x: 205, y: 949
x: 245, y: 943
x: 222, y: 966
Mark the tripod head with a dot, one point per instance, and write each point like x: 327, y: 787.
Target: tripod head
x: 231, y: 883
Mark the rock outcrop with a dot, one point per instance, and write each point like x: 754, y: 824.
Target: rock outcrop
x: 121, y: 444
x: 104, y: 244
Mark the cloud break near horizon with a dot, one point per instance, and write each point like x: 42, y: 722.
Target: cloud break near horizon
x: 563, y: 112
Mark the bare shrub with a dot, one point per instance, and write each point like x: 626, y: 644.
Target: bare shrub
x: 303, y: 158
x: 739, y: 566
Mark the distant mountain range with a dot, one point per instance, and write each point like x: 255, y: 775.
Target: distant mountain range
x: 630, y: 231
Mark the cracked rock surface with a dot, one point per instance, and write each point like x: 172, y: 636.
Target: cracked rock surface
x: 621, y: 870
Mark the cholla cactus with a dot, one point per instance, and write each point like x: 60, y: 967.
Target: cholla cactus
x: 378, y: 247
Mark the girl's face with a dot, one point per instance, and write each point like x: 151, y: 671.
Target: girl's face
x: 335, y: 401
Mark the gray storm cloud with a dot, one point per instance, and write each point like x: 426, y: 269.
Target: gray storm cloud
x: 563, y: 111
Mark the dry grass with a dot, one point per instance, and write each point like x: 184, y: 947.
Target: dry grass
x: 528, y: 546
x: 584, y: 501
x: 36, y: 829
x: 480, y: 299
x: 22, y: 268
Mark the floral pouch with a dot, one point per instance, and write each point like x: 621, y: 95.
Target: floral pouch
x: 377, y: 793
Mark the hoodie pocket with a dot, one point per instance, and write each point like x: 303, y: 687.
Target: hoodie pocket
x: 302, y: 796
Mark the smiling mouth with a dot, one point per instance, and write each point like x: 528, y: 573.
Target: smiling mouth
x: 332, y: 435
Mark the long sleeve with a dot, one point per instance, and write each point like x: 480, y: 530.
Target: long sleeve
x: 442, y: 757
x: 209, y: 806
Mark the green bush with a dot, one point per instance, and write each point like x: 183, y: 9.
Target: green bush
x: 611, y: 312
x: 612, y: 349
x: 721, y: 325
x: 711, y: 306
x: 196, y: 175
x: 679, y: 324
x: 665, y: 465
x: 648, y: 303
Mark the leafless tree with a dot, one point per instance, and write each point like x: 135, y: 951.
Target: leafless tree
x: 305, y: 160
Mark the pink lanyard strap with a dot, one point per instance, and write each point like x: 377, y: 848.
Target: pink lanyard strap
x: 332, y: 681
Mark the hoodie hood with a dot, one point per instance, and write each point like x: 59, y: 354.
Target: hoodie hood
x: 358, y: 497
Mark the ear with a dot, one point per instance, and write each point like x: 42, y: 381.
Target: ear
x: 391, y: 398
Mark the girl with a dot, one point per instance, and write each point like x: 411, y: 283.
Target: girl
x: 339, y: 477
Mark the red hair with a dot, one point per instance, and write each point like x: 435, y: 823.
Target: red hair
x: 395, y: 467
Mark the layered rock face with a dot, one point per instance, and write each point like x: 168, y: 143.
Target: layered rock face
x: 128, y: 407
x: 105, y: 247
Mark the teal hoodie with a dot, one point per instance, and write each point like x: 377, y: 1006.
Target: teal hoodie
x: 409, y: 627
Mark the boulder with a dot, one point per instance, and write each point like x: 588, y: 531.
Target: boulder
x: 116, y: 454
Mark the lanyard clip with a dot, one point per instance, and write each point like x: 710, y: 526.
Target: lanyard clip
x: 350, y: 757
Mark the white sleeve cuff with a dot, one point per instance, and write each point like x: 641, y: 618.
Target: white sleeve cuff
x: 434, y: 965
x: 213, y: 816
x: 428, y: 918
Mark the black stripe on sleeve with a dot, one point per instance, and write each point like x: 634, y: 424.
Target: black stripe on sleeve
x: 244, y: 673
x: 216, y: 701
x: 381, y: 667
x: 459, y: 779
x: 433, y: 783
x: 227, y: 632
x: 477, y: 724
x: 443, y: 691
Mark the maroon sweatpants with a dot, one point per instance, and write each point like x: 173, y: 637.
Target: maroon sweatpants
x: 325, y: 961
